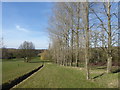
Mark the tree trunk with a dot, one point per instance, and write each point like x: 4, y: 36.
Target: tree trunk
x: 77, y: 32
x: 72, y: 48
x: 109, y: 64
x: 87, y: 42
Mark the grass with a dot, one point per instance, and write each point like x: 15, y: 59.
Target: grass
x: 55, y: 76
x: 14, y: 68
x: 0, y: 71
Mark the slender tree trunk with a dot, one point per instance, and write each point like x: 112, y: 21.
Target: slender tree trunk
x: 87, y: 42
x: 68, y: 50
x: 109, y: 63
x: 77, y: 33
x: 72, y: 34
x: 77, y: 49
x: 72, y: 48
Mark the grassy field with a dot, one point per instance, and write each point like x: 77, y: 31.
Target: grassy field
x: 0, y: 71
x: 14, y: 68
x: 55, y: 76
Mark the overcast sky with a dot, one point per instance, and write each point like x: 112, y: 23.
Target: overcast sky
x: 26, y: 21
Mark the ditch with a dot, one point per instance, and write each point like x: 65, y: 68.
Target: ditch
x: 9, y: 85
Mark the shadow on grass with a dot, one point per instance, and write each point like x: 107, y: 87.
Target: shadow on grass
x: 98, y: 76
x: 116, y: 71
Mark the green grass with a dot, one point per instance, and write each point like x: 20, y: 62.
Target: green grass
x: 55, y: 76
x: 0, y: 71
x: 14, y: 68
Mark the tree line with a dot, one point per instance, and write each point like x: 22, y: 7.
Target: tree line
x: 84, y: 32
x: 26, y: 51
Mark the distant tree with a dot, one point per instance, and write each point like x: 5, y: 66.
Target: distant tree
x: 27, y: 50
x: 44, y: 55
x: 4, y: 53
x: 0, y: 48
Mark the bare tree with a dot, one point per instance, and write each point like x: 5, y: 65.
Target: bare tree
x: 87, y: 39
x: 108, y: 28
x: 27, y: 50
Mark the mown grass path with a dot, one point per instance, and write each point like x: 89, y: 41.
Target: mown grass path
x: 55, y: 76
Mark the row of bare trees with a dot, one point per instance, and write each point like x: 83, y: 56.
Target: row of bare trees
x: 78, y: 28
